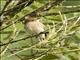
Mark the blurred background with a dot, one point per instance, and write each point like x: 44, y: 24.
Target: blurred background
x: 62, y: 21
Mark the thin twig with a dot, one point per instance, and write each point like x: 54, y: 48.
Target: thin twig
x: 22, y: 39
x: 15, y: 55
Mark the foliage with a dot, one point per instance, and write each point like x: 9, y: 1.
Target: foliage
x: 62, y: 21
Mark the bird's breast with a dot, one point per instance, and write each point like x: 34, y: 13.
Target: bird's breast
x: 35, y: 27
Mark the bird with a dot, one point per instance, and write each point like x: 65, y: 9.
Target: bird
x: 34, y: 27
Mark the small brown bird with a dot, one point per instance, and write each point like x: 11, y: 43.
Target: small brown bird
x: 34, y: 26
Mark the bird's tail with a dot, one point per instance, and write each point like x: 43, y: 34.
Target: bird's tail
x: 42, y: 36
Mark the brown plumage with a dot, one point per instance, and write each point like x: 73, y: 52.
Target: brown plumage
x: 34, y: 26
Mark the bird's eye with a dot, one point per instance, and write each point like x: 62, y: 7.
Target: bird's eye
x: 32, y: 20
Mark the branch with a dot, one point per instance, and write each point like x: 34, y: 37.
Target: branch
x: 22, y: 39
x: 46, y: 7
x: 15, y: 54
x: 65, y: 12
x: 7, y: 2
x: 36, y: 36
x: 68, y: 51
x: 37, y: 10
x: 18, y: 7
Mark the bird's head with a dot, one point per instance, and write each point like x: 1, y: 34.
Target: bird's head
x: 30, y: 18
